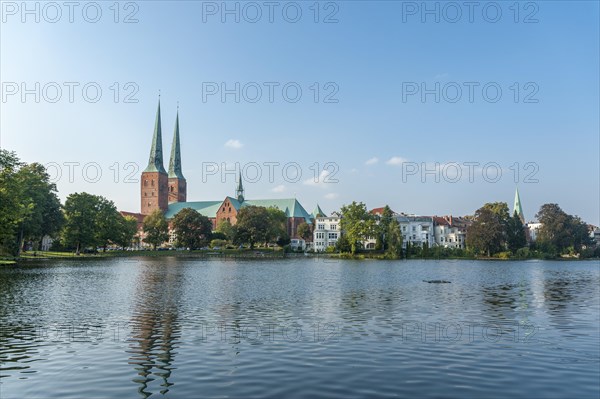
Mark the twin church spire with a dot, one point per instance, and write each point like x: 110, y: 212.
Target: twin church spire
x: 155, y: 162
x: 159, y: 188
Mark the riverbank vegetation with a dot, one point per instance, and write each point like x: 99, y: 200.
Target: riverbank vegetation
x: 89, y: 224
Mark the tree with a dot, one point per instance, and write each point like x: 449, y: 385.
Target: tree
x: 253, y: 225
x: 43, y: 214
x: 515, y: 233
x: 108, y: 223
x: 127, y: 229
x: 156, y: 228
x: 304, y: 231
x: 224, y: 226
x: 487, y: 233
x: 385, y: 220
x: 277, y: 231
x: 12, y: 211
x: 393, y: 239
x: 357, y: 224
x: 193, y: 230
x: 500, y: 209
x: 560, y: 230
x: 81, y: 214
x: 342, y: 244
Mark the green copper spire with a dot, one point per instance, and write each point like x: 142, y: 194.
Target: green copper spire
x: 175, y: 162
x: 240, y: 189
x: 318, y: 212
x: 155, y: 162
x: 517, y: 206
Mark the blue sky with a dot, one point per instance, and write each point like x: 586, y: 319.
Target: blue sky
x: 373, y: 54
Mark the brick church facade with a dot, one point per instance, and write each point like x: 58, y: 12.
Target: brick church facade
x: 167, y: 190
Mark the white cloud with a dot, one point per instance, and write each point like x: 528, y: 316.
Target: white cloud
x: 279, y: 189
x: 372, y: 161
x: 235, y: 144
x: 331, y: 196
x: 396, y: 161
x: 321, y: 181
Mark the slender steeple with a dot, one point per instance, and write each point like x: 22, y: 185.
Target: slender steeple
x: 155, y: 162
x: 175, y: 162
x: 318, y: 212
x: 240, y: 189
x: 517, y: 206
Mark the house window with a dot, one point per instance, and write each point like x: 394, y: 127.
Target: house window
x: 332, y: 236
x: 333, y: 227
x: 321, y: 227
x: 145, y: 183
x: 152, y: 183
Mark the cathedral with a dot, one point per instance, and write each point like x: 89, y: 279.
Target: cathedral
x: 167, y: 191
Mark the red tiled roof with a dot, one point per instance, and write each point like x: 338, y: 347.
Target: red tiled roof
x: 378, y: 211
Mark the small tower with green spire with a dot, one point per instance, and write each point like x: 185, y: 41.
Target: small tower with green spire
x: 239, y: 192
x: 154, y: 183
x: 517, y: 206
x: 177, y: 183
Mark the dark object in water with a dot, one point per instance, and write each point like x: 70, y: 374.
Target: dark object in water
x: 437, y: 281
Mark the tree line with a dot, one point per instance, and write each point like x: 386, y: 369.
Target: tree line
x: 255, y: 225
x: 494, y: 232
x: 30, y: 209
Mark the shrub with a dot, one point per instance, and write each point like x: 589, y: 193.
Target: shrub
x: 218, y: 243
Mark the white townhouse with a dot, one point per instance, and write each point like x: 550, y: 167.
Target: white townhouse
x: 449, y: 232
x: 326, y: 232
x: 417, y: 230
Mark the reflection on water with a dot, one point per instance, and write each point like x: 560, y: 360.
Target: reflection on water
x: 183, y: 327
x: 155, y: 333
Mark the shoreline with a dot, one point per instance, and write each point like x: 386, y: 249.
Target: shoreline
x: 249, y: 255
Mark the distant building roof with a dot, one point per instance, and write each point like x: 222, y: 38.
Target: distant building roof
x: 290, y: 206
x: 206, y: 208
x: 379, y: 211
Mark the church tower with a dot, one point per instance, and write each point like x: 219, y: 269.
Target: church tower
x: 517, y: 206
x: 154, y: 183
x: 239, y: 192
x: 177, y: 183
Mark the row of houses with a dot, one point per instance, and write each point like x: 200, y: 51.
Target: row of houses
x: 442, y: 231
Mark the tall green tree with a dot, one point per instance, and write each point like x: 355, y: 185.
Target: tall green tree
x: 277, y: 231
x: 12, y: 210
x: 488, y: 231
x: 193, y: 230
x: 253, y: 225
x: 127, y: 230
x: 81, y: 215
x: 560, y: 230
x: 108, y: 223
x: 156, y: 229
x: 224, y: 227
x: 385, y: 220
x: 393, y: 239
x: 43, y: 214
x: 357, y: 224
x: 515, y: 233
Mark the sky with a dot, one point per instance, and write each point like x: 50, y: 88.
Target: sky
x: 434, y: 108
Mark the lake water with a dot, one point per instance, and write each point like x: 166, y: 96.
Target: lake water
x: 183, y: 328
